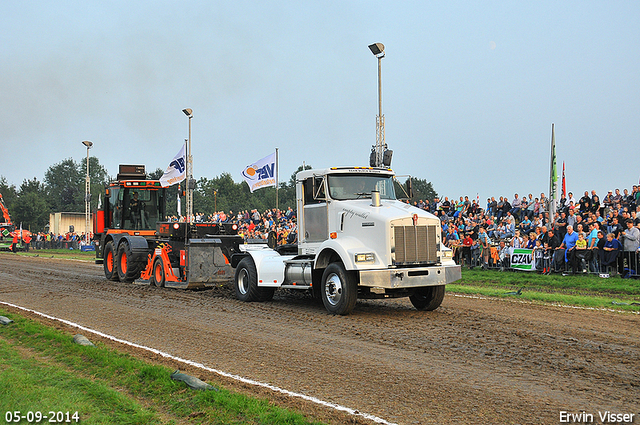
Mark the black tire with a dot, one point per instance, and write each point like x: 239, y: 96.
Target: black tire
x: 109, y: 262
x: 339, y: 289
x: 246, y: 283
x: 157, y: 273
x: 427, y: 298
x: 128, y: 271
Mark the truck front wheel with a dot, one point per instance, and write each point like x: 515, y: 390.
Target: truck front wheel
x: 339, y: 289
x: 246, y: 283
x: 428, y: 297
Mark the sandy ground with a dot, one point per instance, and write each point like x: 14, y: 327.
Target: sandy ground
x: 471, y: 361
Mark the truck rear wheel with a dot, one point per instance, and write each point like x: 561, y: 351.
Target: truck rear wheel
x: 246, y: 283
x: 428, y: 297
x: 157, y: 273
x: 339, y: 289
x: 128, y: 271
x: 109, y: 262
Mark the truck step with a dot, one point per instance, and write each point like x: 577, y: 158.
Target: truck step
x: 294, y: 286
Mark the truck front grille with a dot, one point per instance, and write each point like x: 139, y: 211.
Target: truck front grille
x: 415, y: 244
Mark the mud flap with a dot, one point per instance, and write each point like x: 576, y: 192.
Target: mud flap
x: 206, y: 264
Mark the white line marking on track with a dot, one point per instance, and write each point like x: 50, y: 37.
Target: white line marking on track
x: 334, y: 406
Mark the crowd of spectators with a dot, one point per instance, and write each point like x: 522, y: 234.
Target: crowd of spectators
x: 585, y: 235
x: 254, y: 225
x: 73, y: 240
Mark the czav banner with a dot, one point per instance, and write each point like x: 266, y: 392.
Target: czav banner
x: 522, y: 259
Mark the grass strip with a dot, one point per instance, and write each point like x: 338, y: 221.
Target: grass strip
x: 41, y: 369
x: 68, y: 254
x: 579, y: 290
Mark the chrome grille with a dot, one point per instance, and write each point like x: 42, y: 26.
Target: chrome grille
x: 415, y: 244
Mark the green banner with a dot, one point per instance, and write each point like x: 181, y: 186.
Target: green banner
x: 522, y: 259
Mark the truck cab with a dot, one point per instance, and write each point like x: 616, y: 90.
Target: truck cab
x: 356, y: 240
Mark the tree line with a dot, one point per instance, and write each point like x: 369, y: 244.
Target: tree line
x: 63, y: 190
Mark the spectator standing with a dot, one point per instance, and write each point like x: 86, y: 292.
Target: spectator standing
x: 485, y: 243
x: 499, y: 208
x: 435, y: 205
x: 504, y: 254
x: 630, y: 244
x: 492, y: 206
x: 544, y: 203
x: 595, y: 203
x: 446, y: 205
x: 571, y: 219
x: 580, y: 257
x: 467, y: 242
x: 569, y: 244
x: 616, y: 199
x: 551, y: 244
x: 506, y: 207
x: 585, y: 203
x: 560, y: 225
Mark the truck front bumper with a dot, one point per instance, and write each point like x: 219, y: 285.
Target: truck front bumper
x: 410, y: 277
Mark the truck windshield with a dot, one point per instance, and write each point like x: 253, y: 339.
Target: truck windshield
x: 357, y: 186
x: 136, y: 209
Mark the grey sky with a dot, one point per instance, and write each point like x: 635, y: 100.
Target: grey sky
x: 470, y: 89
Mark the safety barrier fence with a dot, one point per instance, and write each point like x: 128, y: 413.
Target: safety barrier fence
x: 591, y: 261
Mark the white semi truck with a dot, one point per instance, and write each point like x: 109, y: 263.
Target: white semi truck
x: 355, y: 240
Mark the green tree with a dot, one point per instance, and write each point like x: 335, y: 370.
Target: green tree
x: 31, y: 210
x: 65, y: 186
x: 422, y: 189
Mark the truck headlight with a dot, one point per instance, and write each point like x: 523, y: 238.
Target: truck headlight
x: 447, y: 253
x: 365, y: 258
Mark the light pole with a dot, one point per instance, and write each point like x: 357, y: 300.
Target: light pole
x: 190, y: 184
x: 87, y: 194
x: 379, y: 154
x: 215, y: 201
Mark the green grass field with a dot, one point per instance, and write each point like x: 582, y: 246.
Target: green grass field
x: 579, y: 290
x: 43, y: 370
x: 69, y: 254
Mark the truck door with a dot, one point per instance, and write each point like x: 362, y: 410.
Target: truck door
x: 315, y: 215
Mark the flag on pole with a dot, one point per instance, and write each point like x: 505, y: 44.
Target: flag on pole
x: 553, y: 179
x: 179, y: 206
x: 261, y: 173
x: 564, y: 183
x: 176, y: 171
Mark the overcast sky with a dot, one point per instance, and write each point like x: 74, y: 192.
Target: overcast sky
x: 470, y: 89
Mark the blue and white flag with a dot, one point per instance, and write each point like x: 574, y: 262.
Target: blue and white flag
x: 176, y: 171
x: 261, y: 173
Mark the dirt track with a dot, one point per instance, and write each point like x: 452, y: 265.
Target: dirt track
x: 470, y: 361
